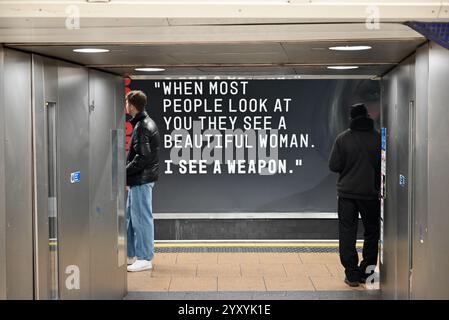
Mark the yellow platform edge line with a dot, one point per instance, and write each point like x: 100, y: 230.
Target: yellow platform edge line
x: 247, y: 245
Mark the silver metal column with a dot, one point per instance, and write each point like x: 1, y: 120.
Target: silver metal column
x: 398, y: 96
x: 18, y: 174
x: 388, y: 265
x: 419, y: 285
x: 106, y: 144
x: 2, y: 182
x: 73, y: 170
x: 416, y: 219
x: 438, y: 153
x: 405, y: 98
x: 44, y: 99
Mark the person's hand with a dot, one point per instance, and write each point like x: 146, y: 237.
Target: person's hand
x: 127, y: 188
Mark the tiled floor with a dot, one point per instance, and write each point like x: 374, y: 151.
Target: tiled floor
x: 241, y: 272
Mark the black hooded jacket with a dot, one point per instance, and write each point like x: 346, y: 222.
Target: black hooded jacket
x: 142, y: 163
x: 358, y: 178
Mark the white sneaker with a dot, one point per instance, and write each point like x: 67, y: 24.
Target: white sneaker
x: 131, y: 260
x: 140, y: 265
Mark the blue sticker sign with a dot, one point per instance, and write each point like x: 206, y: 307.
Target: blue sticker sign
x: 75, y: 177
x: 402, y: 180
x: 383, y: 132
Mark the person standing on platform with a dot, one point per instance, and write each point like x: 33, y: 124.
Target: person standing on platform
x: 142, y: 167
x: 355, y: 156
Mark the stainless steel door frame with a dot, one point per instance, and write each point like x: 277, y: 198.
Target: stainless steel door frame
x: 18, y: 175
x: 73, y: 179
x: 438, y: 178
x: 106, y: 166
x: 411, y: 189
x: 421, y: 176
x: 44, y: 90
x: 2, y: 184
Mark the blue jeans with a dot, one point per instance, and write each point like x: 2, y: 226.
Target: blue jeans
x: 139, y: 222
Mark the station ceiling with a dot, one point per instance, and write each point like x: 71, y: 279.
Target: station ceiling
x: 252, y: 48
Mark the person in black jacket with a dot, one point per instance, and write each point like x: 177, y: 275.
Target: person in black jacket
x: 142, y: 167
x: 355, y: 156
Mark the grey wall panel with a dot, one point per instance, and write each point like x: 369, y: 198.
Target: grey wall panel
x: 438, y: 151
x: 73, y: 145
x: 419, y: 284
x: 421, y: 236
x: 388, y: 267
x: 106, y: 282
x: 45, y: 82
x: 18, y: 175
x: 120, y: 118
x: 2, y: 183
x: 398, y: 97
x: 405, y: 96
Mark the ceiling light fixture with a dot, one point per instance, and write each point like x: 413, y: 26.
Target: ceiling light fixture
x: 90, y: 50
x: 350, y: 48
x: 342, y: 67
x: 149, y: 69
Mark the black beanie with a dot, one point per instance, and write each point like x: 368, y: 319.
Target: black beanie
x: 358, y: 110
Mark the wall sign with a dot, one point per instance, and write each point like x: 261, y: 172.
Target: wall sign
x: 75, y: 177
x: 250, y: 145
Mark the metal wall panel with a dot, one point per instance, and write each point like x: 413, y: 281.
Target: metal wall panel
x: 438, y: 152
x: 419, y: 284
x: 120, y: 119
x: 405, y: 98
x: 104, y: 170
x: 389, y: 265
x: 18, y: 175
x: 2, y: 184
x: 45, y: 81
x: 421, y: 236
x: 398, y: 99
x: 73, y: 149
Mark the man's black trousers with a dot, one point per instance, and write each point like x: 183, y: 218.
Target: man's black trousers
x: 348, y: 213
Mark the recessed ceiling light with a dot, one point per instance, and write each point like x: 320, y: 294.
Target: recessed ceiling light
x: 342, y: 67
x: 149, y: 69
x: 350, y: 48
x: 90, y: 50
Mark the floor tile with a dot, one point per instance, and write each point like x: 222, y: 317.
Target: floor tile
x: 149, y: 284
x: 193, y: 284
x: 164, y: 258
x: 336, y: 270
x: 178, y: 270
x: 238, y: 258
x: 215, y: 270
x: 269, y: 258
x: 319, y: 257
x: 241, y: 284
x: 332, y: 284
x: 289, y: 284
x: 258, y: 269
x: 306, y: 269
x: 186, y: 258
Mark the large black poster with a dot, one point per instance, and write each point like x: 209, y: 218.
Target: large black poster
x: 250, y: 145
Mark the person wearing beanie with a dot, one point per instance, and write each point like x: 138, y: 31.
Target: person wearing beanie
x: 355, y: 156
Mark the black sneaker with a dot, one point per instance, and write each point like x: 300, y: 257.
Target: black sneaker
x: 351, y: 283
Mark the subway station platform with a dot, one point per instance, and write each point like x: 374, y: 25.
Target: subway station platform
x: 246, y: 271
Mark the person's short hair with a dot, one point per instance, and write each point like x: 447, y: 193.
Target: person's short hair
x: 358, y: 110
x: 138, y: 99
